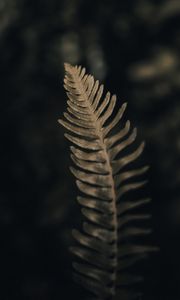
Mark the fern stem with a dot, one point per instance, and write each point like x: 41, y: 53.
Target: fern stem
x: 106, y: 248
x: 81, y: 90
x: 115, y: 221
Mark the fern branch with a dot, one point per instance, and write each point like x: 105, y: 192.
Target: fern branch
x: 96, y: 154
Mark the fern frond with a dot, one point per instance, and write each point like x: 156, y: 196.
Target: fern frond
x: 105, y: 256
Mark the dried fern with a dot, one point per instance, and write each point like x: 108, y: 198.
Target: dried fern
x: 104, y: 256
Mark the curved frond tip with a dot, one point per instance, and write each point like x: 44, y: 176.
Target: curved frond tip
x: 107, y: 245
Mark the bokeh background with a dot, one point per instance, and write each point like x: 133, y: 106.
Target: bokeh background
x: 133, y: 48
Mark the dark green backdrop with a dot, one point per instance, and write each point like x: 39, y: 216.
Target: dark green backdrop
x: 131, y: 46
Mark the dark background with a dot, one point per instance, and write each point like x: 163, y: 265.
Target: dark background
x: 133, y: 48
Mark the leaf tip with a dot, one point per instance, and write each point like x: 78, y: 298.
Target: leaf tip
x: 125, y: 105
x: 67, y: 66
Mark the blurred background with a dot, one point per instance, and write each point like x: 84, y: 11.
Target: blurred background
x: 133, y: 48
